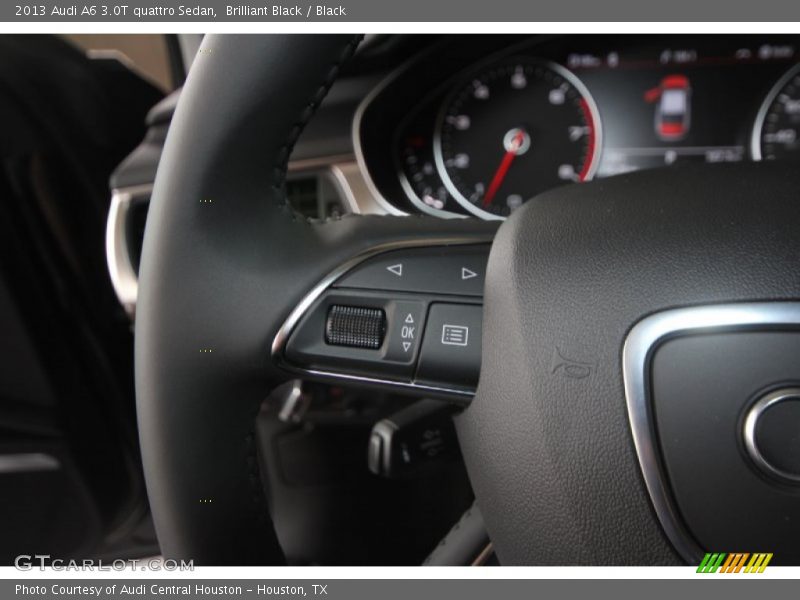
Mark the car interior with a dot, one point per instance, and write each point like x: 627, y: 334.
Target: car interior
x: 470, y: 300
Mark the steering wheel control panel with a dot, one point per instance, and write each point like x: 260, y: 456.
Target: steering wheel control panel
x: 409, y: 317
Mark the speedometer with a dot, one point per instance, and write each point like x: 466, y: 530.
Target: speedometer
x: 513, y: 130
x: 776, y: 134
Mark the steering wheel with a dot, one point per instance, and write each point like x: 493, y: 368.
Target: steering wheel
x: 596, y: 298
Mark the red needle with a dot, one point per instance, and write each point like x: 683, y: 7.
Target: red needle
x: 502, y: 170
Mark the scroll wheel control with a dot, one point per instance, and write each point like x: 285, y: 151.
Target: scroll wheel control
x: 355, y: 326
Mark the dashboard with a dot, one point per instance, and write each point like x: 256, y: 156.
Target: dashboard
x: 477, y: 125
x: 473, y: 126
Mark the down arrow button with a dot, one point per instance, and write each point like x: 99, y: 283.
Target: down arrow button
x: 405, y: 322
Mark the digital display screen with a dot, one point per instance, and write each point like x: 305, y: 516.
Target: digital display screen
x: 663, y: 106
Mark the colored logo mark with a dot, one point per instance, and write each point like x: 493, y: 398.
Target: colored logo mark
x: 736, y: 562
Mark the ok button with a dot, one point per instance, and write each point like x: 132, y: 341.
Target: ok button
x: 406, y: 322
x: 772, y: 434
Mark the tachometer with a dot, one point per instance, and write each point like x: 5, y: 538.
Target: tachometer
x: 420, y: 180
x: 514, y: 130
x: 776, y: 134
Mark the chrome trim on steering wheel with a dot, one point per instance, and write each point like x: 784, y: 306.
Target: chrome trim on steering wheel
x: 749, y: 432
x: 118, y: 259
x: 641, y: 343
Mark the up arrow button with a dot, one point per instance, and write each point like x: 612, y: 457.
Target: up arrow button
x: 406, y: 319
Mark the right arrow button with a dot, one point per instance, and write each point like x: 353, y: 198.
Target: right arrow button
x: 450, y: 270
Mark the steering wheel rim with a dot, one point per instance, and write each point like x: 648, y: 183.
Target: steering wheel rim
x: 224, y: 261
x: 194, y: 514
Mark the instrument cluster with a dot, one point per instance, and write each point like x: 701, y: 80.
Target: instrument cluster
x: 476, y: 126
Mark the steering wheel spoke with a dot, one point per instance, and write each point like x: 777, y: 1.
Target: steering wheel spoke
x: 403, y: 313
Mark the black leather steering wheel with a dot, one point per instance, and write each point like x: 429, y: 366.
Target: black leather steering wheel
x: 547, y: 438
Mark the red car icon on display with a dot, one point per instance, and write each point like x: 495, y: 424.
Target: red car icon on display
x: 673, y: 108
